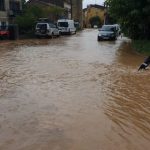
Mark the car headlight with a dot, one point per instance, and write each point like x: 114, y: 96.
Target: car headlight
x: 99, y: 34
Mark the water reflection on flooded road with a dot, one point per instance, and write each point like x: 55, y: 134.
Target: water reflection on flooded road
x: 73, y: 93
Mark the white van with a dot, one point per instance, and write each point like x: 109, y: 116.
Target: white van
x: 66, y: 26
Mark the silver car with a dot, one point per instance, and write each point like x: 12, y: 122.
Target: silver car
x: 107, y: 32
x: 46, y: 30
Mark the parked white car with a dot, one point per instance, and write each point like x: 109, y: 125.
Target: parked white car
x: 46, y: 30
x: 66, y: 26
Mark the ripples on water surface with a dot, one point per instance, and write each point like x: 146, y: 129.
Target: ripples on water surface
x: 73, y: 93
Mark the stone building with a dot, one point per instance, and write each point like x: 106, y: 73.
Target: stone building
x: 67, y: 7
x: 59, y: 3
x: 77, y: 14
x: 63, y: 5
x: 72, y: 8
x: 92, y: 11
x: 8, y: 10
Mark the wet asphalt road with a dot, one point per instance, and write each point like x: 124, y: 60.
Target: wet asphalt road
x: 73, y: 93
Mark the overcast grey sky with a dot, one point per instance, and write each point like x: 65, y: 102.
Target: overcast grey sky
x: 86, y: 2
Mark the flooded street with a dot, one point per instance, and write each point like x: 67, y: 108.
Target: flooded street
x: 73, y: 93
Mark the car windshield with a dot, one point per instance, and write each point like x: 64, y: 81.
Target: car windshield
x: 108, y: 28
x: 63, y: 24
x: 42, y: 26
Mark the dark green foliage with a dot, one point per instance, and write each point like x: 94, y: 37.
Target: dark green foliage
x: 27, y: 20
x: 23, y: 4
x: 133, y: 15
x: 31, y: 13
x: 95, y: 21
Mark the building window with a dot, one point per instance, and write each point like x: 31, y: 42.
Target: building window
x: 3, y: 26
x: 2, y: 5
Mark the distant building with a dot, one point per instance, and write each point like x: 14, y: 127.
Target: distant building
x: 77, y: 13
x: 63, y: 4
x: 72, y: 8
x: 92, y: 11
x: 67, y: 7
x: 59, y: 3
x: 8, y: 10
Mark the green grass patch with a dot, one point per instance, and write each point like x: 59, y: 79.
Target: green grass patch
x: 141, y: 46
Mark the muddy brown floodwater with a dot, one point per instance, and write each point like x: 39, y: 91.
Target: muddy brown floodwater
x: 73, y: 93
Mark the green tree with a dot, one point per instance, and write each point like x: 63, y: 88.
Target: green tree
x: 23, y: 2
x: 133, y: 15
x: 95, y: 21
x: 27, y: 20
x: 31, y: 13
x: 54, y: 12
